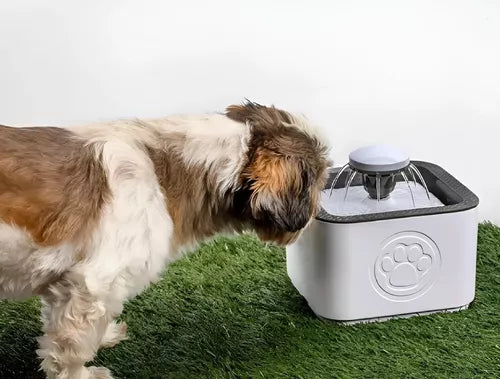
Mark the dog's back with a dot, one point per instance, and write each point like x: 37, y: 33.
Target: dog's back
x: 50, y: 183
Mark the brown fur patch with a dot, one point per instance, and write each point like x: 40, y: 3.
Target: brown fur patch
x: 286, y: 170
x: 257, y: 114
x: 50, y: 183
x: 193, y: 201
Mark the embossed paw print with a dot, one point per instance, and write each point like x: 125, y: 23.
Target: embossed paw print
x: 406, y: 265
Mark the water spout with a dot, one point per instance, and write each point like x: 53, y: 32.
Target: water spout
x: 338, y: 177
x: 408, y: 169
x: 422, y: 181
x: 409, y: 188
x: 349, y: 181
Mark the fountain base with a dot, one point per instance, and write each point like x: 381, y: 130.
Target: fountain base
x: 395, y: 317
x: 375, y: 266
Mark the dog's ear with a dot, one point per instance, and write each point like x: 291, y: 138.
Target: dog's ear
x: 238, y: 113
x: 281, y: 190
x: 257, y: 114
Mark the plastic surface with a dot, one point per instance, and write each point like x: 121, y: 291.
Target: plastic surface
x: 423, y: 260
x: 385, y: 268
x: 378, y: 159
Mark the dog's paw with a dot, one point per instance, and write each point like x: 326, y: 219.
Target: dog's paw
x: 99, y: 373
x: 116, y: 332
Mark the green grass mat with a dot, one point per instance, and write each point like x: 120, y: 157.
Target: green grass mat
x: 230, y: 311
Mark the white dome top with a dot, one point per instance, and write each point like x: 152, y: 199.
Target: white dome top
x: 378, y: 159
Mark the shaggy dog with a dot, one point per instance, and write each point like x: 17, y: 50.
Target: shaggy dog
x: 90, y: 216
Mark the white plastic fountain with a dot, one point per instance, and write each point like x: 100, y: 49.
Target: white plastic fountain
x: 384, y: 247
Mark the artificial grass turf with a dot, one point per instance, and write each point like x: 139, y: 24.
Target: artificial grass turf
x: 230, y: 311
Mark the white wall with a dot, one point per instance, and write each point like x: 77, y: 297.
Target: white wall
x: 424, y: 75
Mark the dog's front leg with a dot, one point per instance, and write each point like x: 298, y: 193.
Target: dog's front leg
x: 74, y: 325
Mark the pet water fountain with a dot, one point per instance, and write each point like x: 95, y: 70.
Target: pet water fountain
x: 394, y: 238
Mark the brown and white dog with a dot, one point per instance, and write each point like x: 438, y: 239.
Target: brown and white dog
x: 90, y: 216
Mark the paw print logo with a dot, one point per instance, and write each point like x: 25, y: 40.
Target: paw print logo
x: 406, y: 267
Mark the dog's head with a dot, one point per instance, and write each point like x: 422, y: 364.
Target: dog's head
x: 285, y: 171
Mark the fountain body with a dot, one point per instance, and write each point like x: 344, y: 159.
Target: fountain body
x: 379, y: 265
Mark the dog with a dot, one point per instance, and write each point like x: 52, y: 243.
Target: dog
x: 92, y: 215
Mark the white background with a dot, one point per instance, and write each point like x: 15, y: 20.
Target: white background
x: 423, y: 75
